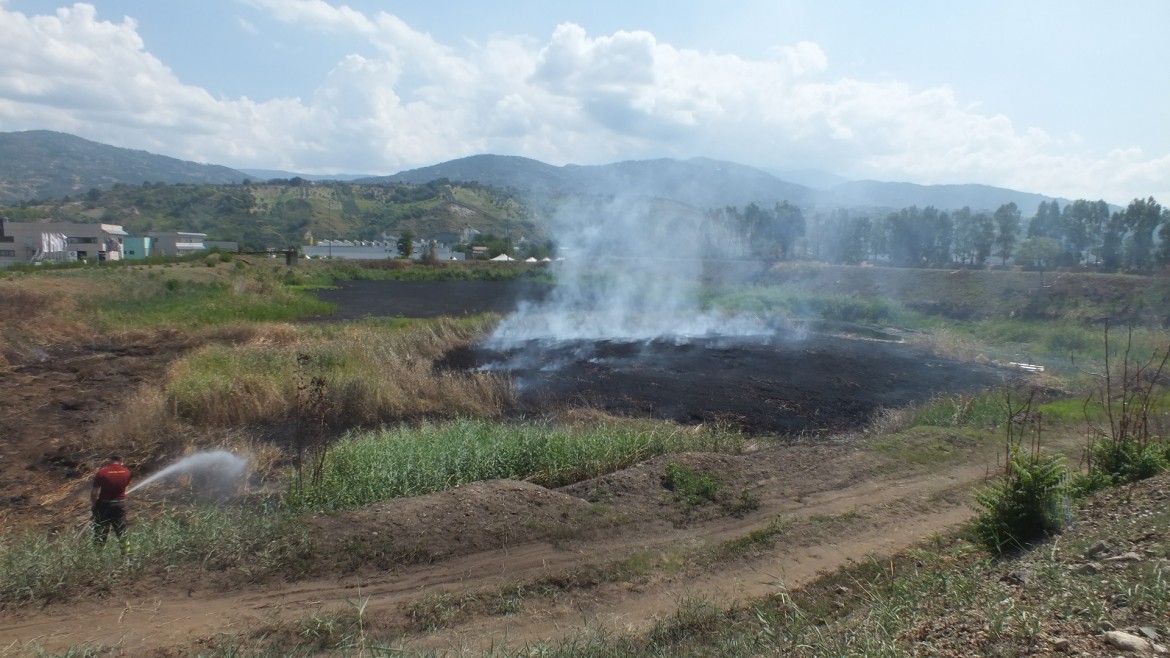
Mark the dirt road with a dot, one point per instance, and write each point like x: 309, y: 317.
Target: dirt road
x: 835, y: 504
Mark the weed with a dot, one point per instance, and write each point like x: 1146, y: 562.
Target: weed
x: 433, y: 610
x: 1029, y: 500
x: 690, y: 487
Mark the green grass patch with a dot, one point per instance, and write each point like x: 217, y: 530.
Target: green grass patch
x: 193, y: 304
x: 793, y: 302
x: 690, y: 486
x: 244, y: 545
x: 409, y: 461
x: 981, y: 410
x: 934, y: 446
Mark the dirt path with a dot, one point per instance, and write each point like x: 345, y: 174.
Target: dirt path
x: 842, y: 509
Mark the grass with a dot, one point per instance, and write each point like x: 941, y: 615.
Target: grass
x: 795, y: 303
x: 395, y: 462
x: 239, y: 544
x: 364, y: 373
x: 689, y: 486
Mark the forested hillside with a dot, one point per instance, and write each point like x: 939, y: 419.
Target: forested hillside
x: 42, y: 164
x: 280, y: 213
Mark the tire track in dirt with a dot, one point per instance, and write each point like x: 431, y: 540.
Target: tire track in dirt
x: 881, y: 523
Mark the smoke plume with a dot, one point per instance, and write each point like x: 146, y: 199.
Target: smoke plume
x: 633, y: 270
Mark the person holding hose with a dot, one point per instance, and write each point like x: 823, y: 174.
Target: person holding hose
x: 109, y: 503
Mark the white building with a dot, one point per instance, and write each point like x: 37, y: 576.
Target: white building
x: 58, y: 242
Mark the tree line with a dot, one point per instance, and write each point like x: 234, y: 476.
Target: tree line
x: 1082, y: 233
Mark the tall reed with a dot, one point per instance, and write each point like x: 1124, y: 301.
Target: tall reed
x: 404, y: 461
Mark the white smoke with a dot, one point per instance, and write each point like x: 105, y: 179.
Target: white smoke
x: 632, y: 270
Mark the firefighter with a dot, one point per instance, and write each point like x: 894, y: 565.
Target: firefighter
x: 109, y: 503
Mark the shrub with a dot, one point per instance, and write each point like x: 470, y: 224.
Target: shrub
x: 1027, y: 503
x: 1121, y: 414
x: 1114, y: 463
x: 690, y: 486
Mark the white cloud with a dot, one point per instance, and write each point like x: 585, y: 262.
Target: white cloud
x: 403, y: 99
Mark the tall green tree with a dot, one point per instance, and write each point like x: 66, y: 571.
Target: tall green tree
x: 1142, y: 217
x: 1046, y: 222
x: 1084, y: 225
x: 1111, y: 241
x: 1007, y: 227
x: 406, y: 244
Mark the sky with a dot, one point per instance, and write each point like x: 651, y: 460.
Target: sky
x: 1068, y: 98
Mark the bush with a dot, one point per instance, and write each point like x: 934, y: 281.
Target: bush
x: 1027, y: 503
x: 690, y: 486
x: 1114, y: 463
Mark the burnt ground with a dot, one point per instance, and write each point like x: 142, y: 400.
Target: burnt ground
x: 780, y: 384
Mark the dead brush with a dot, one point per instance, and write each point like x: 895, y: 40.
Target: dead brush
x: 39, y: 312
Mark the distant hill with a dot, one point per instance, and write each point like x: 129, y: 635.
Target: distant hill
x: 705, y: 183
x: 41, y: 164
x: 263, y: 175
x: 699, y: 182
x: 876, y: 194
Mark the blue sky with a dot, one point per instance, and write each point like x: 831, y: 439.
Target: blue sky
x: 1066, y: 98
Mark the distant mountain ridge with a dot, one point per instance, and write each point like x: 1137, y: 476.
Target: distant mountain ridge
x: 41, y: 164
x: 707, y: 183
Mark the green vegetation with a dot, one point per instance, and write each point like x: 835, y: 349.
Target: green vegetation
x: 689, y: 486
x: 365, y: 468
x: 791, y: 301
x: 1029, y: 502
x: 235, y: 543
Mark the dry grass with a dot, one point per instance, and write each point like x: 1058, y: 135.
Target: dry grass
x: 39, y: 312
x: 339, y: 376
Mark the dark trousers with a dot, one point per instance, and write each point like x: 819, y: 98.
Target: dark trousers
x: 108, y: 514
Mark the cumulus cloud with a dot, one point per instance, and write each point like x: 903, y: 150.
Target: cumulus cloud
x: 404, y: 99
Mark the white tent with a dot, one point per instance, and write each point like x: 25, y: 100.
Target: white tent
x: 530, y: 259
x: 503, y: 257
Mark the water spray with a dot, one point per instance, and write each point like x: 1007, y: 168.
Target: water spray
x: 221, y: 469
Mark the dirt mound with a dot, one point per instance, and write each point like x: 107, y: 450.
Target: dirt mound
x: 470, y: 518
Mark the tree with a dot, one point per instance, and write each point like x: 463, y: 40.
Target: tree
x: 406, y: 244
x: 1142, y: 216
x: 974, y: 236
x: 918, y: 238
x: 1111, y: 240
x: 1046, y: 222
x: 1007, y: 224
x: 1084, y: 224
x: 1040, y: 252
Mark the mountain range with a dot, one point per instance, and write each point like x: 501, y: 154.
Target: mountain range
x: 42, y: 164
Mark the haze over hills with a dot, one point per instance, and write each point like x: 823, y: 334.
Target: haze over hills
x: 42, y: 164
x: 706, y: 183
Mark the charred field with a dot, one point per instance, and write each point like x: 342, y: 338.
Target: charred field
x: 786, y: 382
x: 782, y: 384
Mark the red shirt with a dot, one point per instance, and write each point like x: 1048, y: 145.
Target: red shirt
x: 112, y: 480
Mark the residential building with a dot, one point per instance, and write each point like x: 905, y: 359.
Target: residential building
x: 32, y: 242
x: 176, y: 243
x: 135, y: 247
